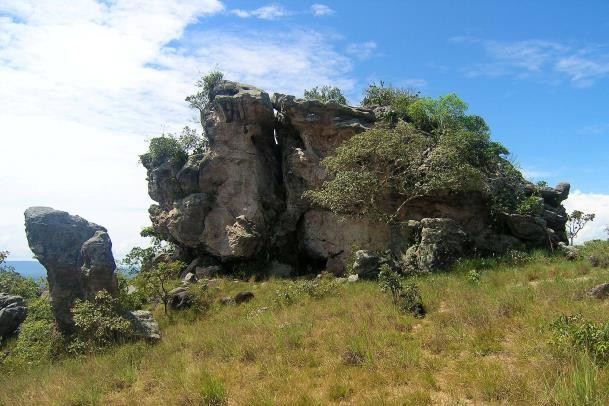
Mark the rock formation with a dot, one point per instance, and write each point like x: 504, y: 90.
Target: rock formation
x: 243, y: 200
x: 77, y: 255
x: 13, y: 312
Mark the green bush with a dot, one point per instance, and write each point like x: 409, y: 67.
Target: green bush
x: 597, y: 251
x: 405, y: 295
x: 325, y: 94
x: 126, y: 300
x: 164, y: 148
x: 99, y: 324
x: 39, y: 339
x: 474, y: 276
x: 573, y: 333
x: 13, y: 283
x: 531, y: 206
x: 205, y: 86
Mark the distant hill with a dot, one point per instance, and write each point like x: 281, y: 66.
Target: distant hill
x: 32, y: 269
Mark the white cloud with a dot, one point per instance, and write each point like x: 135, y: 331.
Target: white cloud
x: 84, y: 84
x: 269, y: 12
x: 590, y: 203
x: 362, y: 50
x: 321, y: 10
x: 545, y: 60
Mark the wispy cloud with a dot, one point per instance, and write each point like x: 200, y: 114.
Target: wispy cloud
x: 268, y: 12
x: 321, y: 10
x: 362, y: 50
x: 594, y: 130
x: 84, y: 85
x: 548, y: 61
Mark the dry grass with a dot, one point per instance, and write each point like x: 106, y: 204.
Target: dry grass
x: 481, y: 343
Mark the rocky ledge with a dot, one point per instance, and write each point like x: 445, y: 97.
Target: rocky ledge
x: 242, y: 201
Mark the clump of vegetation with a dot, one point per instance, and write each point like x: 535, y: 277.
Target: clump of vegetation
x: 213, y: 392
x: 573, y: 333
x: 397, y: 99
x: 13, y: 283
x: 39, y: 341
x: 325, y: 94
x: 99, y: 324
x: 158, y: 281
x: 532, y: 205
x: 205, y: 86
x: 576, y: 221
x: 474, y: 276
x: 597, y: 251
x: 405, y: 295
x: 174, y: 148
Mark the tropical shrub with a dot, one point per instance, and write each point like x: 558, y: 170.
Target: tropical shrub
x: 325, y: 94
x: 205, y: 85
x: 99, y: 324
x: 13, y: 283
x: 573, y: 333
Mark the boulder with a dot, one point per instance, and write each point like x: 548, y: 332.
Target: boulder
x: 440, y: 243
x: 570, y: 252
x: 180, y: 298
x: 189, y: 278
x: 243, y: 297
x: 352, y: 278
x: 77, y: 255
x: 599, y: 291
x: 13, y: 312
x: 144, y: 325
x: 529, y: 228
x: 366, y: 264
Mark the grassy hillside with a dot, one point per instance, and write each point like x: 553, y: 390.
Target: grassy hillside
x: 482, y: 342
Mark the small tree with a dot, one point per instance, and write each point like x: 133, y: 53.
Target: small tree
x: 576, y: 221
x: 157, y: 280
x: 325, y: 94
x: 205, y: 85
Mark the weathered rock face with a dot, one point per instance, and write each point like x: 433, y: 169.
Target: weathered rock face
x: 243, y: 201
x: 13, y: 312
x: 144, y: 325
x: 77, y: 255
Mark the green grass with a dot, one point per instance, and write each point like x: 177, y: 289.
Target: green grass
x: 482, y: 342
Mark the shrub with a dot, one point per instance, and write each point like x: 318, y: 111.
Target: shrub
x: 326, y: 94
x: 398, y: 100
x: 158, y: 281
x: 474, y: 276
x: 99, y: 324
x: 39, y: 339
x: 126, y: 300
x: 531, y: 206
x: 320, y: 288
x: 597, y: 252
x: 205, y: 86
x: 13, y: 283
x: 574, y: 333
x: 405, y: 295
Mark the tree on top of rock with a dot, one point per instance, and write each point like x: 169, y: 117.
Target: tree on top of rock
x: 326, y: 94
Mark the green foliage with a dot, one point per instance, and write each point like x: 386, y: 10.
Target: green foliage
x: 573, y: 333
x: 140, y: 259
x: 157, y: 281
x: 405, y: 295
x: 213, y: 392
x: 99, y: 324
x: 325, y: 94
x: 39, y: 339
x: 164, y: 148
x: 13, y: 283
x: 205, y: 85
x: 597, y: 251
x: 576, y: 221
x: 474, y: 276
x: 320, y: 288
x: 126, y: 300
x: 388, y: 96
x: 532, y: 205
x: 406, y: 163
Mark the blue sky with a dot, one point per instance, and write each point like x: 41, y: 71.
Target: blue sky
x: 84, y: 84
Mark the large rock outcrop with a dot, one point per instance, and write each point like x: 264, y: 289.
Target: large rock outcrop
x: 243, y: 200
x: 77, y: 255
